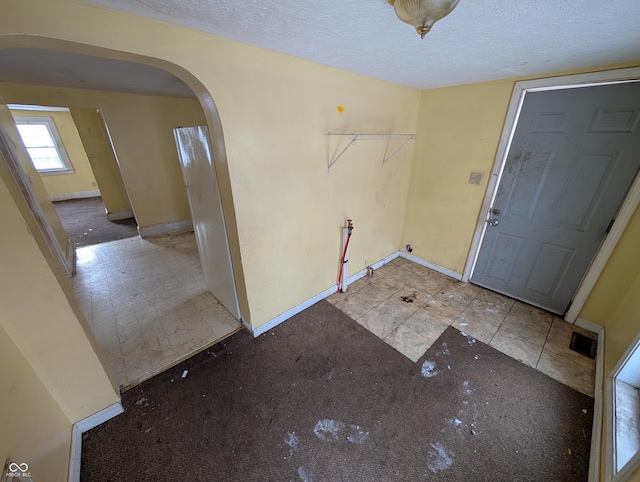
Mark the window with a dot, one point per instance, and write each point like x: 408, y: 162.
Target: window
x: 625, y: 401
x: 41, y: 138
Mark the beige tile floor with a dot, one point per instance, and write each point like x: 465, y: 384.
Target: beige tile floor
x: 531, y: 335
x: 146, y: 303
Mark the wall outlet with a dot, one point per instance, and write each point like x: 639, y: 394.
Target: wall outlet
x: 475, y: 178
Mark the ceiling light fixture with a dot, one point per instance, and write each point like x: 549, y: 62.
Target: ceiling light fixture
x: 422, y: 14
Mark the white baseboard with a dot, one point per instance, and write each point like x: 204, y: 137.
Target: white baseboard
x: 247, y: 325
x: 435, y: 267
x: 70, y: 255
x: 257, y: 331
x: 100, y: 417
x: 173, y: 227
x: 65, y: 196
x: 375, y: 266
x: 598, y: 400
x: 313, y: 300
x: 293, y: 311
x: 119, y: 215
x: 82, y: 426
x: 588, y: 325
x: 75, y: 454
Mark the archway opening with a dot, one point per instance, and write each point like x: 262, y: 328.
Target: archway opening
x: 149, y: 313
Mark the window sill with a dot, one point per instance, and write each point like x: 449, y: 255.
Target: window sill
x: 56, y: 172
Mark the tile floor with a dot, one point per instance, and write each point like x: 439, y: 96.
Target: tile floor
x: 146, y: 304
x: 529, y: 334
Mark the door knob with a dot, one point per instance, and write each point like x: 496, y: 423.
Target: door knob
x: 493, y: 222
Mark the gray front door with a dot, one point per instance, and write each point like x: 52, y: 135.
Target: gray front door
x: 573, y: 157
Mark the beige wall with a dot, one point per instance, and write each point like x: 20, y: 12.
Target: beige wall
x: 36, y: 313
x: 97, y: 146
x: 51, y: 375
x: 141, y: 127
x: 36, y: 186
x: 82, y: 178
x: 285, y: 209
x: 623, y: 326
x: 622, y: 329
x: 617, y: 276
x: 275, y: 112
x: 458, y: 133
x: 34, y: 431
x: 289, y: 208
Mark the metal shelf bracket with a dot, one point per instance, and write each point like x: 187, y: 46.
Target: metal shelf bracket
x: 370, y: 137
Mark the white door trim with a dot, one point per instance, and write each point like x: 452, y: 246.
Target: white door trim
x: 633, y: 464
x: 64, y: 255
x: 628, y: 207
x: 201, y: 180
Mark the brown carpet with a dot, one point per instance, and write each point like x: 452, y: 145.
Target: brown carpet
x: 86, y: 223
x: 319, y: 398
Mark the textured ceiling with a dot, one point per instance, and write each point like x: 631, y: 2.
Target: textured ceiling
x: 480, y: 40
x: 65, y: 69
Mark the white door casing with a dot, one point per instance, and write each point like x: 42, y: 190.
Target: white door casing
x: 10, y: 151
x: 573, y: 157
x: 521, y: 89
x: 194, y: 151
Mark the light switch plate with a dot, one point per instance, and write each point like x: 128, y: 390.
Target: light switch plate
x: 475, y: 178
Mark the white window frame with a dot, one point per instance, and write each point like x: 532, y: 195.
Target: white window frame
x: 626, y: 370
x: 58, y: 144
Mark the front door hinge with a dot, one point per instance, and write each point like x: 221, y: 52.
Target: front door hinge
x: 568, y: 306
x: 606, y: 231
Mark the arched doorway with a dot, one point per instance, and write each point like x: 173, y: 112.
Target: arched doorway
x: 141, y: 304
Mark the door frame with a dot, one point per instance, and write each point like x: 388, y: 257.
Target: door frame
x: 631, y: 201
x: 213, y: 121
x: 234, y: 309
x: 9, y: 153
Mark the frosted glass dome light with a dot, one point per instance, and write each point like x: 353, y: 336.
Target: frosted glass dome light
x: 422, y: 14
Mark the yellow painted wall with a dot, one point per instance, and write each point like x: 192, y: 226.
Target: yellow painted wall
x: 37, y: 315
x: 623, y: 326
x: 290, y: 209
x: 141, y: 127
x: 82, y: 178
x: 616, y: 277
x: 34, y: 428
x: 50, y: 373
x: 275, y: 111
x: 614, y: 303
x: 37, y: 188
x: 621, y: 330
x: 100, y: 155
x: 635, y: 477
x: 458, y: 132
